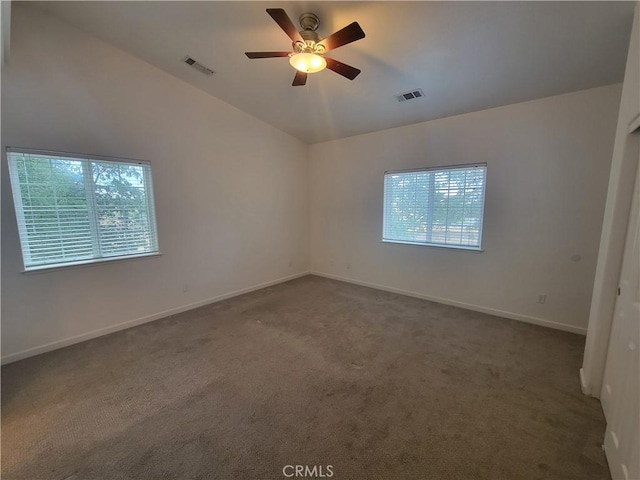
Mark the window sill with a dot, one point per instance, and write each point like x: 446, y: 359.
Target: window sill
x: 87, y: 263
x: 436, y: 245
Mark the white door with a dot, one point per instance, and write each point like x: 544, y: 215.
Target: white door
x: 621, y: 387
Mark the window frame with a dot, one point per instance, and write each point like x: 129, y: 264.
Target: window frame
x: 473, y: 249
x: 17, y: 199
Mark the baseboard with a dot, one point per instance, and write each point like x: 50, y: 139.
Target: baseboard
x: 583, y: 383
x: 30, y: 352
x: 454, y: 303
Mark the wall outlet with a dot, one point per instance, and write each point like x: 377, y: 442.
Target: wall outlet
x: 185, y: 287
x: 542, y: 298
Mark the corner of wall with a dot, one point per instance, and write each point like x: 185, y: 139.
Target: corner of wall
x: 614, y: 225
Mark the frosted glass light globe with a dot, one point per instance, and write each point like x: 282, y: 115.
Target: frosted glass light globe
x: 308, y: 62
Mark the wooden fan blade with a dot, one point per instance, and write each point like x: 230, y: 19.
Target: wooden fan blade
x: 299, y: 79
x: 348, y: 34
x: 342, y: 68
x: 266, y: 54
x: 282, y: 19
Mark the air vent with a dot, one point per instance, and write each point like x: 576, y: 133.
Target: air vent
x: 403, y: 97
x: 198, y: 66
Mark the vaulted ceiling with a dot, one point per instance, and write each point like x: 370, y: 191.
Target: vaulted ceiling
x: 465, y: 56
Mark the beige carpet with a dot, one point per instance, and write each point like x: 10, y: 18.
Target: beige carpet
x: 310, y: 372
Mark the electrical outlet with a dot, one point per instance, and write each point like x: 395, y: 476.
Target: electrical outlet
x: 185, y: 287
x: 542, y: 298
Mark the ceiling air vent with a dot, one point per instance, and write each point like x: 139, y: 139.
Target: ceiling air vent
x: 403, y: 97
x: 198, y: 66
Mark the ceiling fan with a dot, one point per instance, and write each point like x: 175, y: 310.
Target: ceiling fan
x: 309, y: 48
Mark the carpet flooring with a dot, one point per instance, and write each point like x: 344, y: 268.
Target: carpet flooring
x: 311, y: 372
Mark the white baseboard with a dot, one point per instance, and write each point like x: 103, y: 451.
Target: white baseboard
x: 477, y: 308
x: 30, y: 352
x: 584, y: 386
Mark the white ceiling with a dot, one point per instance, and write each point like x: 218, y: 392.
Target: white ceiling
x: 466, y: 56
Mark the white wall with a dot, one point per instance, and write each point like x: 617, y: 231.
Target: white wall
x: 231, y: 191
x: 548, y: 163
x: 616, y: 218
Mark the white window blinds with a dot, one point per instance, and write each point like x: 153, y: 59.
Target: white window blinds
x: 72, y: 210
x: 435, y: 206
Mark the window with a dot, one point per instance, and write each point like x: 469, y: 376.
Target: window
x: 75, y: 209
x: 435, y: 206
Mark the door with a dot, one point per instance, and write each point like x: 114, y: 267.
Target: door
x: 621, y: 387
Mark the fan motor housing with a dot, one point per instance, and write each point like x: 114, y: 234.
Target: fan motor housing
x: 311, y: 40
x: 310, y: 35
x: 309, y: 23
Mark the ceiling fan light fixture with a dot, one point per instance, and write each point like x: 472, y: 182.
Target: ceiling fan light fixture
x: 309, y: 48
x: 307, y: 62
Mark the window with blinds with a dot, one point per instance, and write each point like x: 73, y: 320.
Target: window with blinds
x: 75, y: 209
x: 435, y: 206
